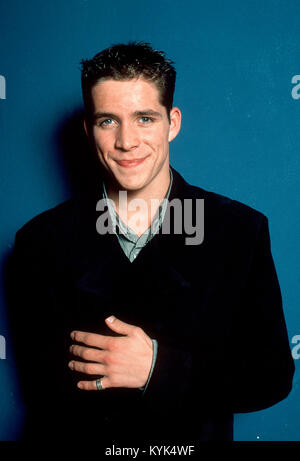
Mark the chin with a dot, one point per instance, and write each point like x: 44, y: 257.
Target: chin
x: 131, y: 185
x: 135, y: 182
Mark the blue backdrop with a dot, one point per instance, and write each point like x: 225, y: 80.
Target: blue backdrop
x: 240, y: 135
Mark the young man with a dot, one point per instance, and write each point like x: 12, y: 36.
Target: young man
x: 132, y: 327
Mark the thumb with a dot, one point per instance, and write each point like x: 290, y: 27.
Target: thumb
x: 118, y: 326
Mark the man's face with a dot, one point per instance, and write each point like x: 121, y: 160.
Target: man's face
x: 131, y: 131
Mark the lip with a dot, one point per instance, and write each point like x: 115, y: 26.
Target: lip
x: 130, y: 163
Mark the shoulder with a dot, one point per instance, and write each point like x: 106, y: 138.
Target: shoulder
x: 49, y: 218
x: 45, y: 225
x: 227, y: 206
x: 222, y: 211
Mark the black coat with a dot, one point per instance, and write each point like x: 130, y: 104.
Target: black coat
x: 215, y: 310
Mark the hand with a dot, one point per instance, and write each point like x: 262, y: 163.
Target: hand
x: 123, y: 361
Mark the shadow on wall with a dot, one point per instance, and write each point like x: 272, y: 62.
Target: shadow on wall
x: 76, y: 157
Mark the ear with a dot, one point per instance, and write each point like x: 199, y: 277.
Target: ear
x: 175, y: 123
x: 85, y: 127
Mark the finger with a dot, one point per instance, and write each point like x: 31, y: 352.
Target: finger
x: 87, y: 368
x: 88, y: 353
x: 92, y: 386
x: 118, y: 326
x: 91, y: 339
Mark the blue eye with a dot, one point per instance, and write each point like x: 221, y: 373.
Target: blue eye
x: 108, y: 121
x: 146, y: 119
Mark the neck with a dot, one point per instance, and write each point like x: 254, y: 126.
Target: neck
x: 139, y: 216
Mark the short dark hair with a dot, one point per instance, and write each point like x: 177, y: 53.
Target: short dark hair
x: 128, y: 61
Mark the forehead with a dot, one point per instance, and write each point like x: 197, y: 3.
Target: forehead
x: 126, y: 94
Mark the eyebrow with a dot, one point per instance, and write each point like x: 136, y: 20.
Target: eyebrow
x: 137, y: 113
x: 146, y: 112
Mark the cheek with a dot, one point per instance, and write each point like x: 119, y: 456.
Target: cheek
x: 103, y: 143
x: 158, y: 140
x: 163, y: 145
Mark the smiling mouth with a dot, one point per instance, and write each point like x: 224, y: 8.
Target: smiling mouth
x: 130, y: 163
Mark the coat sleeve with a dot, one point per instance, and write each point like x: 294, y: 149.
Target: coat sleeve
x: 29, y: 288
x: 263, y: 368
x: 256, y: 368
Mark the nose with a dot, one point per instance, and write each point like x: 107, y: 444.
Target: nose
x: 127, y: 138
